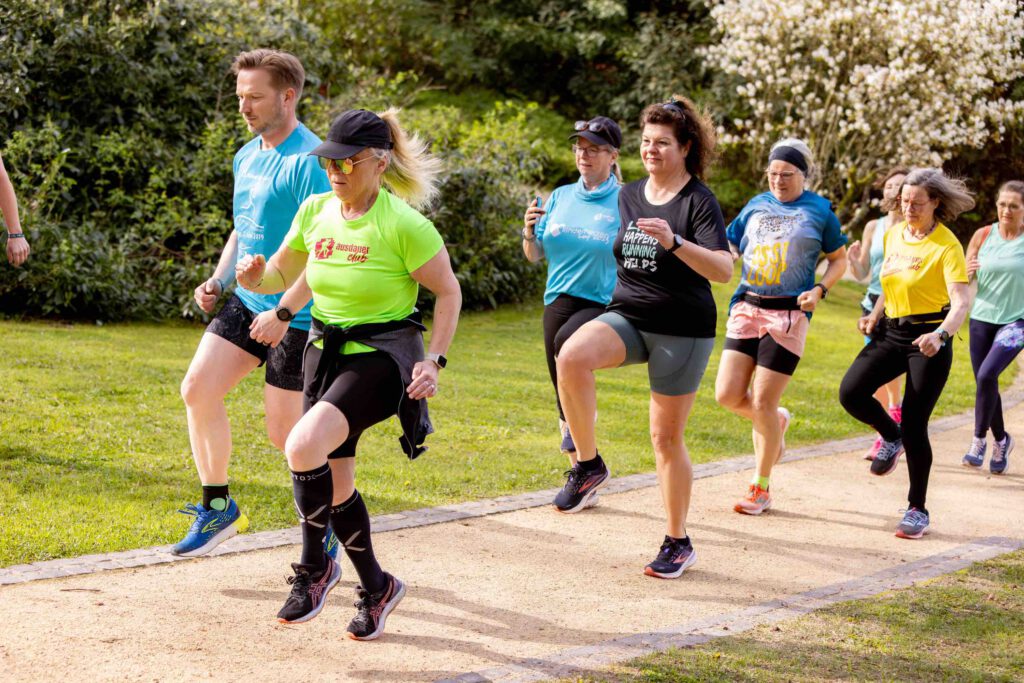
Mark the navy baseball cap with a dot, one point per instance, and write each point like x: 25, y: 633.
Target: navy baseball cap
x: 600, y: 130
x: 352, y: 132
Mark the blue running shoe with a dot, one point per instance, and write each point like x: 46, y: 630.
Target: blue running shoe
x: 331, y: 544
x: 672, y: 559
x: 568, y: 446
x: 1001, y: 455
x: 209, y: 529
x: 914, y: 524
x: 976, y: 455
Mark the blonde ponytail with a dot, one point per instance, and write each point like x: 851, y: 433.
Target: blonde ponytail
x: 412, y: 172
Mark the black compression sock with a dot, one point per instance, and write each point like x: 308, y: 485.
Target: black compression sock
x: 592, y: 465
x: 313, y: 491
x: 351, y: 523
x: 216, y: 497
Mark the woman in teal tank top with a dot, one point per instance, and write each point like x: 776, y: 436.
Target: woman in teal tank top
x: 995, y: 257
x: 866, y: 258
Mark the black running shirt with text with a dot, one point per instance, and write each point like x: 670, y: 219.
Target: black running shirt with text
x: 655, y: 290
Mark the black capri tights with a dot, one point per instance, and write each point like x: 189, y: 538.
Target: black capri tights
x: 882, y: 360
x: 562, y: 317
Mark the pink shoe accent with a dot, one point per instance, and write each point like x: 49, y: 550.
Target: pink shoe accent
x: 896, y: 413
x: 873, y: 451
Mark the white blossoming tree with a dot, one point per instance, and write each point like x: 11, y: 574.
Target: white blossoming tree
x: 868, y: 83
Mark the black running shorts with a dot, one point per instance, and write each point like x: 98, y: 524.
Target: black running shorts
x: 284, y: 362
x: 366, y: 388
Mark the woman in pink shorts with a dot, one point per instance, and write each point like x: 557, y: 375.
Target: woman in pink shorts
x: 779, y: 235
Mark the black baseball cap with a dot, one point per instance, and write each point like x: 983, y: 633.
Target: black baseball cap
x: 600, y: 130
x: 352, y: 132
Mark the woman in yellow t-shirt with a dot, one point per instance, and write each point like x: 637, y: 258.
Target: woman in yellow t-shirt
x: 364, y: 251
x: 924, y: 300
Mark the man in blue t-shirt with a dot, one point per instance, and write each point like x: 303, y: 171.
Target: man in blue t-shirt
x: 273, y: 176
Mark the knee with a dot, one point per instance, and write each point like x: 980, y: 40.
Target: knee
x: 300, y: 451
x: 761, y: 404
x: 192, y: 391
x: 988, y: 380
x: 667, y: 445
x: 571, y: 359
x: 278, y: 432
x: 728, y: 397
x: 849, y: 395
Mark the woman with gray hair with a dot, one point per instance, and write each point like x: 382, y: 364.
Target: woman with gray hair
x: 780, y: 235
x: 924, y: 301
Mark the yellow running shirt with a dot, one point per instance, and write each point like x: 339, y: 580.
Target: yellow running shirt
x: 915, y: 274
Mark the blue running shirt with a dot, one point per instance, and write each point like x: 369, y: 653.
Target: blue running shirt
x: 780, y: 243
x: 270, y: 184
x: 577, y: 234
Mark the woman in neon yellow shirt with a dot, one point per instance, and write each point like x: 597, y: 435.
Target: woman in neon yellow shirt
x: 364, y: 251
x: 925, y: 300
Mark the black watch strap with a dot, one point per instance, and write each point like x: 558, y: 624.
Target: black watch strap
x: 283, y: 314
x: 678, y: 242
x: 824, y: 289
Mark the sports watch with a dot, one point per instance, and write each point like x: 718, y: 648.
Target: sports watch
x: 677, y: 242
x: 438, y: 359
x: 943, y: 336
x: 283, y: 314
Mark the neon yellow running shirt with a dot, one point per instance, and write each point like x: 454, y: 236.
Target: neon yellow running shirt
x: 360, y: 270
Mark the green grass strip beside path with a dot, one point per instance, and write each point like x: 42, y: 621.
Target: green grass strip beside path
x: 966, y: 626
x: 94, y: 451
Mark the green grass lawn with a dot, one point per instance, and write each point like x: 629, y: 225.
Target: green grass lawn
x: 967, y: 626
x: 95, y: 454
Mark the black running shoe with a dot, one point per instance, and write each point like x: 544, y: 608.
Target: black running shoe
x: 672, y: 559
x: 580, y: 487
x: 309, y: 591
x: 887, y: 458
x: 374, y: 609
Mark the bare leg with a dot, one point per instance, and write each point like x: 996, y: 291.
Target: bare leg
x: 217, y: 367
x: 283, y: 409
x: 675, y: 473
x: 765, y: 396
x: 594, y: 346
x: 732, y: 386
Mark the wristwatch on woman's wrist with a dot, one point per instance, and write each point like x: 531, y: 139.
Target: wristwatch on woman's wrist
x: 943, y: 335
x: 283, y: 314
x: 529, y: 237
x: 677, y: 242
x: 437, y: 359
x: 823, y: 288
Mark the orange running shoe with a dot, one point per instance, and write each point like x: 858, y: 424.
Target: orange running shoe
x: 755, y: 502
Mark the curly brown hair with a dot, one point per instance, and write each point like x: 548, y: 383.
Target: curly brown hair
x: 690, y: 124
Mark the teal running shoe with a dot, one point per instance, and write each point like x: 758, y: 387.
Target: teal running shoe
x: 209, y: 529
x: 331, y: 544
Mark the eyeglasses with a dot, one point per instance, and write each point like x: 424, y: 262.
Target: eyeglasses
x: 346, y: 166
x: 588, y: 152
x: 784, y: 175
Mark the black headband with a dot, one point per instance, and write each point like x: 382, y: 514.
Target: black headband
x: 790, y: 155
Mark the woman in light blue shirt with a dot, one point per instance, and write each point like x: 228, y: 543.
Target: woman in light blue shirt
x: 574, y: 230
x: 995, y: 256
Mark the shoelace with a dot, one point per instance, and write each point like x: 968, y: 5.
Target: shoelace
x: 300, y: 582
x: 978, y: 447
x: 364, y: 605
x: 574, y: 479
x: 200, y: 514
x: 887, y: 451
x: 914, y: 516
x: 999, y: 452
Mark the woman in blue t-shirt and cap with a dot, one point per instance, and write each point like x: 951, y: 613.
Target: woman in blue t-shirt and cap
x: 779, y: 235
x: 670, y: 243
x: 574, y: 231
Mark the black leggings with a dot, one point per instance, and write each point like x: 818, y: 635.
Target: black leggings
x: 562, y: 317
x: 993, y: 348
x: 885, y: 358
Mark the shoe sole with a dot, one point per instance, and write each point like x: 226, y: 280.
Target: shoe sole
x: 900, y: 534
x: 335, y: 577
x: 383, y: 616
x: 584, y: 502
x: 754, y: 513
x: 892, y: 468
x: 676, y: 574
x: 967, y: 463
x: 236, y: 527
